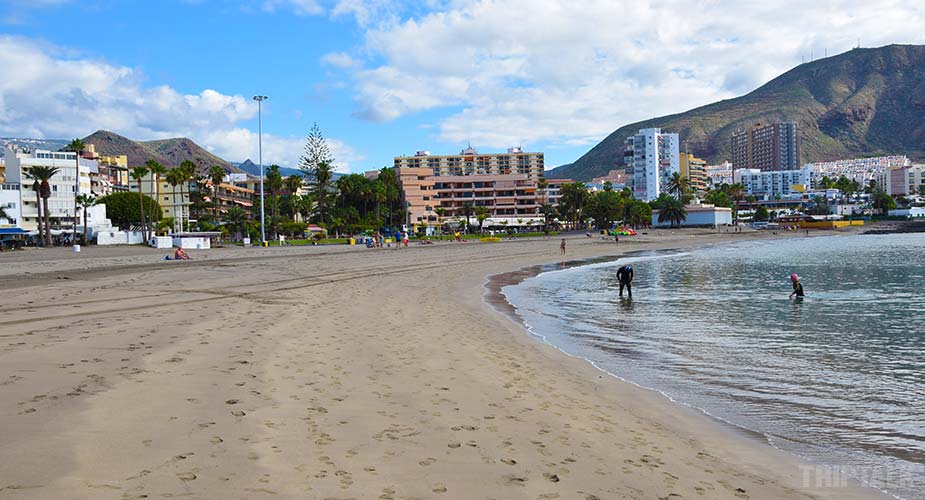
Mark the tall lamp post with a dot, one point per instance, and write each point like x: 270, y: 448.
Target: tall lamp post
x: 260, y: 99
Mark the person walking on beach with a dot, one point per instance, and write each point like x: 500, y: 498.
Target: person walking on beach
x: 797, y: 287
x: 625, y: 276
x: 562, y: 247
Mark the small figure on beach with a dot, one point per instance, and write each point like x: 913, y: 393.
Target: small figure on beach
x: 180, y: 254
x: 797, y: 286
x: 625, y: 276
x: 562, y: 247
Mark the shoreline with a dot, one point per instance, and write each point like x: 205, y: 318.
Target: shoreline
x: 495, y: 297
x: 364, y: 374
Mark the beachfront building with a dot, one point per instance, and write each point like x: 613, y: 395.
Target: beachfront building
x: 717, y: 175
x: 651, y: 156
x: 471, y: 162
x: 228, y: 195
x: 695, y: 170
x: 504, y: 195
x: 766, y: 147
x: 901, y: 181
x: 775, y: 184
x: 173, y: 200
x: 417, y: 186
x: 63, y: 185
x: 617, y: 179
x: 700, y: 215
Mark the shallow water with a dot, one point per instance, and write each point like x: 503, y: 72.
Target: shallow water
x: 838, y: 378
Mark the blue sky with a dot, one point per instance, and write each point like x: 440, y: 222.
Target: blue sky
x: 385, y: 78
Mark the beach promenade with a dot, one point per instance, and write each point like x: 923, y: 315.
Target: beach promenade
x: 335, y: 373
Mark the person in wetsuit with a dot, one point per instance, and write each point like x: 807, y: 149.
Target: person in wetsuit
x: 625, y: 277
x: 797, y: 286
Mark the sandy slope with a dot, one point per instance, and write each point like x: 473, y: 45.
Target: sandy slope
x: 325, y: 373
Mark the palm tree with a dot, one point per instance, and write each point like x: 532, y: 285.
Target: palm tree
x: 322, y: 175
x: 481, y: 213
x: 86, y: 201
x: 542, y: 184
x: 235, y: 219
x: 156, y: 170
x: 187, y: 170
x: 441, y: 213
x: 274, y: 184
x: 42, y: 175
x: 673, y: 212
x: 78, y: 147
x: 737, y: 193
x: 138, y: 174
x: 3, y: 214
x: 467, y: 210
x: 679, y: 185
x: 216, y: 174
x: 37, y: 188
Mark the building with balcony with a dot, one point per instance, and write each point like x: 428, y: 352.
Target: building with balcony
x: 776, y: 184
x: 901, y: 181
x: 73, y: 177
x: 695, y: 170
x: 652, y: 157
x: 229, y: 196
x: 471, y: 162
x: 111, y: 175
x: 766, y: 147
x: 417, y: 193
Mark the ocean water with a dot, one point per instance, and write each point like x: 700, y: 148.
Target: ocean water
x: 837, y: 378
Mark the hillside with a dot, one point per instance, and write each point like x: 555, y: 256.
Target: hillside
x: 253, y: 169
x: 860, y: 103
x: 181, y: 149
x: 167, y: 152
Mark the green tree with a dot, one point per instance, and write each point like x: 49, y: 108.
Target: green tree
x: 186, y: 172
x: 124, y: 209
x: 673, y: 212
x: 606, y: 207
x: 639, y: 213
x: 216, y: 175
x: 236, y: 220
x: 761, y: 214
x: 718, y: 198
x: 883, y: 202
x: 679, y: 185
x: 481, y: 213
x: 467, y: 211
x: 37, y: 189
x: 86, y: 201
x: 138, y: 174
x: 156, y: 170
x: 549, y: 212
x: 315, y: 165
x: 78, y: 147
x: 573, y: 202
x: 42, y: 175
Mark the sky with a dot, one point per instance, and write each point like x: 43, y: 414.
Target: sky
x: 386, y: 78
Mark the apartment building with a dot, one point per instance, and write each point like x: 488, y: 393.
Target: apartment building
x: 718, y: 175
x: 653, y: 157
x: 111, y: 175
x: 417, y: 193
x: 64, y: 185
x: 901, y: 181
x: 862, y: 170
x: 776, y: 184
x: 695, y: 170
x: 174, y: 201
x: 470, y: 162
x: 229, y: 196
x: 504, y: 195
x: 766, y: 147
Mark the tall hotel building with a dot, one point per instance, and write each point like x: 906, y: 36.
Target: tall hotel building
x: 651, y: 157
x: 766, y: 147
x: 470, y: 162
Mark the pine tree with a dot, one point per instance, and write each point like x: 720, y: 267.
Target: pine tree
x: 316, y: 152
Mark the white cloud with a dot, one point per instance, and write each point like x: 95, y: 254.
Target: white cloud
x: 341, y: 60
x: 567, y: 71
x: 44, y: 95
x: 299, y: 7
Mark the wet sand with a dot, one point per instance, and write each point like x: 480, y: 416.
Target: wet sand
x: 334, y: 372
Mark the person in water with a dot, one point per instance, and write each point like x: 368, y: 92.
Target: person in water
x: 625, y: 276
x: 797, y: 286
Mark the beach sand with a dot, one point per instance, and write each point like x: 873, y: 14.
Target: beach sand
x: 335, y: 373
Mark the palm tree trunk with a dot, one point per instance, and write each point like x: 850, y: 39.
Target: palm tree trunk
x: 141, y: 206
x: 47, y: 222
x: 86, y: 230
x: 38, y: 211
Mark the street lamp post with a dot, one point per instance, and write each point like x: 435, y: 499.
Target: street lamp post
x: 260, y: 99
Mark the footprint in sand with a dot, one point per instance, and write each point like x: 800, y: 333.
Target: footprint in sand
x: 512, y: 480
x: 238, y: 413
x: 428, y: 461
x: 439, y: 488
x: 186, y: 476
x: 509, y: 461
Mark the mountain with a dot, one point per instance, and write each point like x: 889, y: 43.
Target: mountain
x: 253, y: 169
x: 863, y: 102
x: 109, y: 143
x: 167, y: 152
x: 181, y: 149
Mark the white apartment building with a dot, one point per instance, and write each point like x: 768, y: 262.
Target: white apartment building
x: 653, y: 158
x: 471, y: 162
x: 861, y: 170
x: 61, y: 202
x: 776, y: 183
x: 717, y: 175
